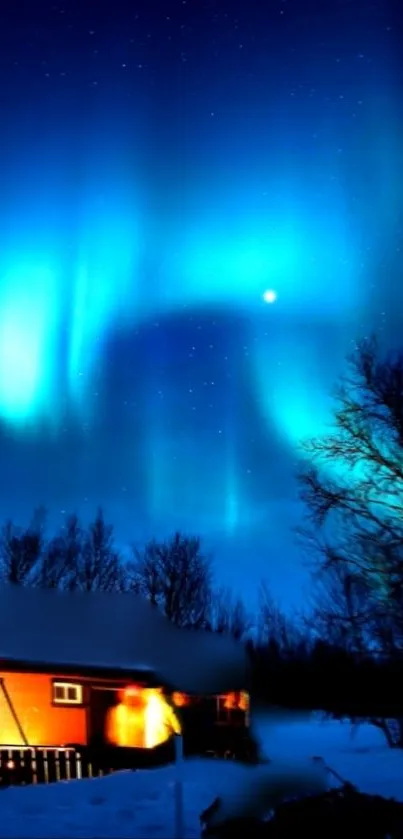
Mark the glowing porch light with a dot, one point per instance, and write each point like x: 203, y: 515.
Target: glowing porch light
x: 142, y: 719
x: 180, y: 699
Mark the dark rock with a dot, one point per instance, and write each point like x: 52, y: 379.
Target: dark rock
x: 344, y: 813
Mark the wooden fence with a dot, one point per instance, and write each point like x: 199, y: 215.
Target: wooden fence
x: 45, y: 765
x: 48, y: 764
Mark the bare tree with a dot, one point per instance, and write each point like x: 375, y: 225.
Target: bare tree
x: 98, y: 564
x: 353, y: 491
x: 62, y: 557
x: 21, y: 550
x: 353, y: 486
x: 340, y: 609
x: 175, y: 576
x: 52, y: 570
x: 274, y: 626
x: 228, y: 615
x: 82, y: 559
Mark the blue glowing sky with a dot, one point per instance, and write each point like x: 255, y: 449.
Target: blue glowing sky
x: 200, y: 210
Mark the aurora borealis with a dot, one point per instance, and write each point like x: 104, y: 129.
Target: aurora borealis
x: 200, y: 210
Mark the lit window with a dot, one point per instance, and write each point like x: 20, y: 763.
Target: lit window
x: 65, y: 693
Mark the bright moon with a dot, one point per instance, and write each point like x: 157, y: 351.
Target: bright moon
x: 270, y: 296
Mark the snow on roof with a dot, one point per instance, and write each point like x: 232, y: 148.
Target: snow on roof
x: 114, y: 631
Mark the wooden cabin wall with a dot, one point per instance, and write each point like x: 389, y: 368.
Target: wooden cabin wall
x: 43, y: 723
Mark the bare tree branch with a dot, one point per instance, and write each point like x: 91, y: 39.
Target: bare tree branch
x: 352, y: 487
x: 228, y: 615
x: 175, y: 576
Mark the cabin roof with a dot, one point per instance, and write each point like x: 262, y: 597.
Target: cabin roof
x: 116, y: 632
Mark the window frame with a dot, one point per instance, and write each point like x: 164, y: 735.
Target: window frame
x: 65, y: 701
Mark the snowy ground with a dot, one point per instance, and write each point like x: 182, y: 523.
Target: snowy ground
x: 140, y: 805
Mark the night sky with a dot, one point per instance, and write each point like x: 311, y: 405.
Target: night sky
x: 200, y: 211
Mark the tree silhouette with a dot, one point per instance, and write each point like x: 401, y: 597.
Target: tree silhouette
x: 339, y: 613
x: 176, y: 577
x: 229, y: 615
x: 274, y: 627
x: 353, y: 491
x: 353, y: 487
x: 92, y: 562
x: 21, y: 550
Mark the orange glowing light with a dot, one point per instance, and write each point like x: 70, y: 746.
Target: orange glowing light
x: 180, y: 699
x: 244, y: 701
x: 125, y: 721
x: 234, y: 701
x: 142, y: 719
x: 160, y: 720
x: 129, y: 694
x: 230, y: 701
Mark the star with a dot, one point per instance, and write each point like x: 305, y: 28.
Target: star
x: 270, y: 296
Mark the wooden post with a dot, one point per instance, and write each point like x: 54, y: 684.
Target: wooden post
x: 178, y: 788
x: 13, y: 713
x: 34, y: 767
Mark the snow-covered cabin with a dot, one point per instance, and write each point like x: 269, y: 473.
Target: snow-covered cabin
x: 65, y: 657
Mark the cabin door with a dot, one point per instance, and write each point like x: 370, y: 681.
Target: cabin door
x: 101, y: 701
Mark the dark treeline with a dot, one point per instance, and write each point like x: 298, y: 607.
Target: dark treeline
x: 305, y: 662
x: 320, y: 676
x: 344, y: 655
x: 175, y: 575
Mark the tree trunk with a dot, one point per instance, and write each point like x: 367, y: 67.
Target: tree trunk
x: 392, y: 729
